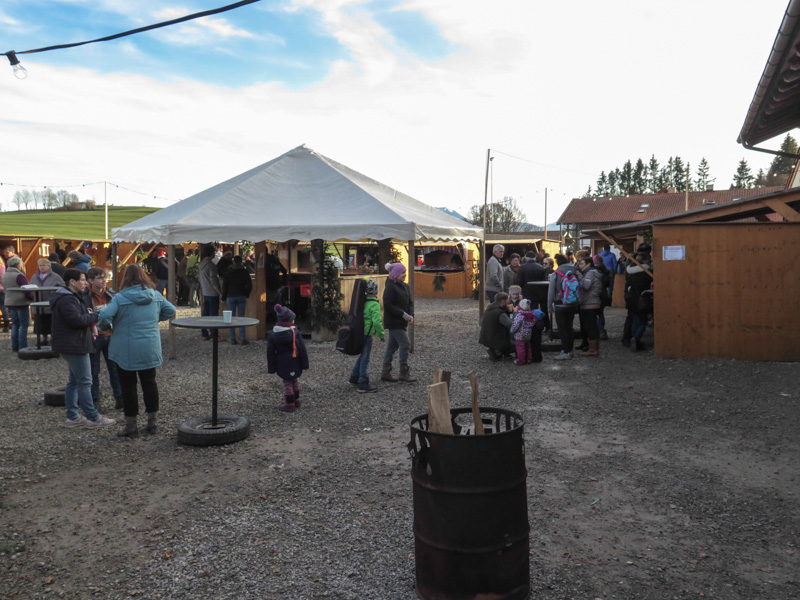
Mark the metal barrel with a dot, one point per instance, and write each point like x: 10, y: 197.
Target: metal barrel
x: 471, y: 531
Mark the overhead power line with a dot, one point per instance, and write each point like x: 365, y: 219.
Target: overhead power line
x: 21, y: 73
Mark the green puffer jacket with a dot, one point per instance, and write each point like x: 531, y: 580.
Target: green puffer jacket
x: 372, y: 318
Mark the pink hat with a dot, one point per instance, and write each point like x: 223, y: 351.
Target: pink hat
x: 395, y: 270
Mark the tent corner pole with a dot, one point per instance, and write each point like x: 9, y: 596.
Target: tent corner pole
x: 173, y: 350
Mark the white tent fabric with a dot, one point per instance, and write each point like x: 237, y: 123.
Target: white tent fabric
x: 301, y: 195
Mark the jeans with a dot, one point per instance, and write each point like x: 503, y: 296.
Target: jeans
x: 564, y: 318
x: 362, y: 362
x: 79, y: 387
x: 397, y: 339
x: 162, y: 285
x: 210, y: 309
x: 21, y: 319
x: 638, y: 324
x: 236, y: 305
x: 601, y: 317
x: 491, y: 295
x: 130, y: 399
x: 101, y: 347
x: 4, y: 316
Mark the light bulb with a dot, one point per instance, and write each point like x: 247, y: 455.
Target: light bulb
x: 19, y: 71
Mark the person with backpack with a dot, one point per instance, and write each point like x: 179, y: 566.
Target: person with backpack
x: 564, y: 294
x: 398, y: 307
x: 592, y: 284
x: 373, y: 325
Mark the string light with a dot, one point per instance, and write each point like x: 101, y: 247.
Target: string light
x: 21, y: 73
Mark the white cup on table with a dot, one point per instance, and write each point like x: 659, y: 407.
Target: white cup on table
x: 226, y: 316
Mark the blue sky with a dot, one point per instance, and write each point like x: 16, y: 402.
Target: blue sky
x: 409, y: 92
x: 258, y: 42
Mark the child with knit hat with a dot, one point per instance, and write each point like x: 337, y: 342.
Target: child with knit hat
x: 398, y: 312
x: 286, y: 356
x: 373, y: 325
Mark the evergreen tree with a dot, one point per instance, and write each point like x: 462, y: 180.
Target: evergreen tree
x: 678, y: 174
x: 626, y: 179
x: 639, y: 179
x: 743, y: 178
x: 654, y: 184
x: 613, y: 189
x: 761, y: 179
x: 703, y: 176
x: 781, y: 166
x: 587, y: 193
x: 602, y: 185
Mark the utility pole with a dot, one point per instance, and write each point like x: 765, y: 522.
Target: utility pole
x: 687, y: 187
x: 545, y: 213
x: 105, y: 200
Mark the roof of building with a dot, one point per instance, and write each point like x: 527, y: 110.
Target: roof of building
x: 780, y: 206
x: 773, y: 110
x: 642, y: 207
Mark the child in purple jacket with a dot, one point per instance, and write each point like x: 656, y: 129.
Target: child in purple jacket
x: 286, y: 356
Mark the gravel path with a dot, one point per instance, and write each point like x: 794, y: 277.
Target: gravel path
x: 647, y: 478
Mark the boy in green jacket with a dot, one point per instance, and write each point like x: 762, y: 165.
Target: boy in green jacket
x: 372, y: 325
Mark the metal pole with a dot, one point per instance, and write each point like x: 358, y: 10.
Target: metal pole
x: 105, y: 199
x: 411, y: 263
x: 173, y: 347
x: 485, y: 220
x: 214, y: 369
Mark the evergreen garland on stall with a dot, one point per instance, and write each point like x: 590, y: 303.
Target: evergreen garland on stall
x: 326, y: 296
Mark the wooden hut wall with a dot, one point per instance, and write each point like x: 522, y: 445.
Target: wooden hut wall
x: 734, y: 296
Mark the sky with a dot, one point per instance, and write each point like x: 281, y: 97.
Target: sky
x: 411, y: 93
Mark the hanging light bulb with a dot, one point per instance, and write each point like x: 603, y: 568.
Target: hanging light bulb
x: 20, y: 72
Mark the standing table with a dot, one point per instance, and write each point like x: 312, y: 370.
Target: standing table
x: 39, y: 351
x: 216, y: 430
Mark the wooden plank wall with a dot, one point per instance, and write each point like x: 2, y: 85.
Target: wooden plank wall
x: 736, y: 294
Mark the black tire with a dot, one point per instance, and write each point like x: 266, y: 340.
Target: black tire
x: 34, y: 353
x: 54, y: 396
x: 199, y: 431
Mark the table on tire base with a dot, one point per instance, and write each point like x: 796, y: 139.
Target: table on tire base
x: 217, y: 429
x: 38, y: 306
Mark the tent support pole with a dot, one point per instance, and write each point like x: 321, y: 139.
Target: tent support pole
x: 481, y: 280
x: 173, y: 350
x: 411, y: 263
x: 114, y: 268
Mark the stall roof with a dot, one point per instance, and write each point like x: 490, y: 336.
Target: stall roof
x: 300, y: 195
x: 774, y: 108
x: 776, y: 206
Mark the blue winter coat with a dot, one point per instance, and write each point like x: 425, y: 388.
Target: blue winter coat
x: 286, y: 352
x: 133, y: 314
x: 84, y: 263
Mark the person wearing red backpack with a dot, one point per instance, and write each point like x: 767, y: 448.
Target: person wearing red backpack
x: 564, y: 294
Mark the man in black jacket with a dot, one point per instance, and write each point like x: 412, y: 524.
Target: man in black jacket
x: 529, y: 273
x: 72, y: 327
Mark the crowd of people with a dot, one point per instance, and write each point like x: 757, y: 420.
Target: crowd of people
x: 534, y: 293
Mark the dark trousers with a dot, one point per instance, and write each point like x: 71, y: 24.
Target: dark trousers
x: 638, y: 324
x: 589, y: 329
x: 130, y: 398
x: 210, y: 309
x: 564, y: 318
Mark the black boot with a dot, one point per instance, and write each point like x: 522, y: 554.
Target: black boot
x: 130, y: 430
x: 151, y: 423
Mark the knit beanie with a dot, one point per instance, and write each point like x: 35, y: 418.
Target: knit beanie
x: 285, y: 314
x: 395, y: 270
x: 372, y: 287
x: 524, y: 304
x: 53, y: 257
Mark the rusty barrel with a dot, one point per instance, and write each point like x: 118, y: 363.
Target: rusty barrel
x: 471, y: 531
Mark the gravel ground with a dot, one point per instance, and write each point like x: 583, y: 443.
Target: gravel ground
x: 647, y: 478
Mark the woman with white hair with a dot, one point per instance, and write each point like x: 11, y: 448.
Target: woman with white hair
x: 45, y: 277
x: 17, y: 302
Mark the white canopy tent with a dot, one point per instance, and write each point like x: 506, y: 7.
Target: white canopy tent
x: 301, y: 195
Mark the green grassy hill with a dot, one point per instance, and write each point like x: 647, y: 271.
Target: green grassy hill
x: 69, y: 224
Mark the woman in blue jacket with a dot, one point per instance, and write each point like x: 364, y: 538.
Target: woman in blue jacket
x: 133, y: 315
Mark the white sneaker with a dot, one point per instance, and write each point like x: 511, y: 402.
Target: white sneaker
x: 564, y: 356
x: 79, y: 421
x: 100, y: 421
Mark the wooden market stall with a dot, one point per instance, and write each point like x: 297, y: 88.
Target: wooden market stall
x: 726, y: 279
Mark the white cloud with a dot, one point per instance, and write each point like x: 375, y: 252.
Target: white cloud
x: 582, y: 86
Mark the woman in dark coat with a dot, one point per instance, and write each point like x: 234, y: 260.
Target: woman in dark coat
x: 398, y: 313
x: 72, y: 328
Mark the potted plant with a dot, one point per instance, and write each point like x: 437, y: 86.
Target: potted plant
x: 326, y: 298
